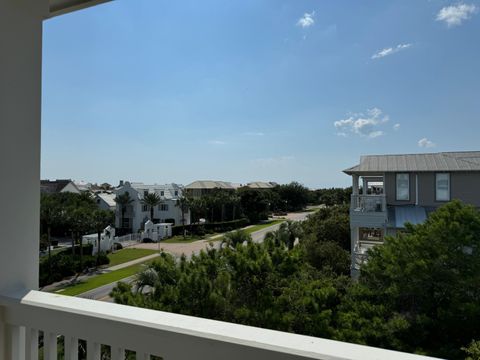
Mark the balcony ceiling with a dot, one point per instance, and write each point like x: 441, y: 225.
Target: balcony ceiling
x: 59, y: 7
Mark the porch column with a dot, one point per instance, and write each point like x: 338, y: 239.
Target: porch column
x: 20, y: 101
x: 355, y: 184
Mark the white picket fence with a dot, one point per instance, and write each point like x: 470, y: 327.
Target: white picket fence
x: 128, y: 240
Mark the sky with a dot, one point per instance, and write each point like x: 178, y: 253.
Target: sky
x: 160, y: 91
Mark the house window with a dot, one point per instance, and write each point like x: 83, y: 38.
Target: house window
x: 145, y: 192
x: 442, y: 187
x: 162, y: 193
x: 163, y: 207
x: 144, y: 208
x: 403, y: 187
x: 176, y: 192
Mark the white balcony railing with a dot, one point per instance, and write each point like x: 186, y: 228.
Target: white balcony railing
x: 149, y: 332
x: 369, y: 203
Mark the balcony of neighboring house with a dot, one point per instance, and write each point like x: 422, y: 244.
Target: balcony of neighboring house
x: 368, y: 205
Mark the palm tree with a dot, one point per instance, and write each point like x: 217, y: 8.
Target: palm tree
x: 151, y: 200
x: 123, y: 200
x: 81, y: 223
x: 101, y: 219
x: 288, y: 232
x: 234, y: 201
x: 183, y: 203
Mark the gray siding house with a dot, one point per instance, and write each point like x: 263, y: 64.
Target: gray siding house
x: 391, y: 190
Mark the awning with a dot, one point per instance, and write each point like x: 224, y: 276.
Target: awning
x: 412, y: 214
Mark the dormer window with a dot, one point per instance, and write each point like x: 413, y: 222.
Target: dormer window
x: 145, y: 192
x: 162, y: 193
x: 442, y: 187
x: 403, y: 187
x: 176, y: 192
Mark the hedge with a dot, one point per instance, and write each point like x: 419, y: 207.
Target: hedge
x: 201, y: 229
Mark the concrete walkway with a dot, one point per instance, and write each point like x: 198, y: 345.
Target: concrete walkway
x: 130, y: 263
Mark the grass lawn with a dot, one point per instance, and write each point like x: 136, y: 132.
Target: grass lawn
x: 126, y: 255
x: 103, y: 279
x: 262, y: 226
x: 180, y: 239
x: 254, y: 228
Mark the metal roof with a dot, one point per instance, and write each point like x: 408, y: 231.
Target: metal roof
x: 261, y: 185
x: 444, y: 161
x: 211, y: 184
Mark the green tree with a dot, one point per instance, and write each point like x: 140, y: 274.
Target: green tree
x: 151, y: 200
x: 420, y: 292
x: 286, y: 234
x: 183, y: 203
x: 254, y: 203
x: 328, y: 224
x: 123, y: 200
x: 101, y: 219
x: 81, y: 222
x: 50, y: 216
x: 295, y: 196
x: 233, y: 238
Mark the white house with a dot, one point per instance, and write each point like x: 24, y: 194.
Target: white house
x: 134, y: 215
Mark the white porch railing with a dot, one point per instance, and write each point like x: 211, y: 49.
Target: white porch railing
x: 149, y: 332
x: 369, y: 203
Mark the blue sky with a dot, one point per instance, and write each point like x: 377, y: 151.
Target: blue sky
x: 174, y: 91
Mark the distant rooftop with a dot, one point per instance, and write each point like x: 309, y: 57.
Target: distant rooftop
x: 211, y: 184
x: 444, y: 161
x: 261, y: 185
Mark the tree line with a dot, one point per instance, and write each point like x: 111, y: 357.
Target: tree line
x: 419, y: 292
x: 69, y: 215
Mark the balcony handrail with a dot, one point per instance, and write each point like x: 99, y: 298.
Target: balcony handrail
x: 169, y: 335
x: 370, y: 203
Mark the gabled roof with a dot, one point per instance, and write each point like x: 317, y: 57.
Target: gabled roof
x: 444, y: 161
x: 166, y: 191
x: 54, y: 186
x: 109, y: 198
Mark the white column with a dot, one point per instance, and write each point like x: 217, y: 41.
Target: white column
x: 20, y: 101
x: 365, y: 185
x: 355, y: 184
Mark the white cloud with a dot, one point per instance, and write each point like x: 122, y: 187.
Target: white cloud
x: 253, y: 133
x: 396, y: 127
x: 306, y: 20
x: 454, y: 15
x: 425, y: 143
x: 217, y: 142
x: 390, y: 51
x: 365, y: 125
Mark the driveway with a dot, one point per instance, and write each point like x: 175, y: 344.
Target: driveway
x: 177, y: 249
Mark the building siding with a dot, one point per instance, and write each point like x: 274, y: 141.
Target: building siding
x: 464, y: 186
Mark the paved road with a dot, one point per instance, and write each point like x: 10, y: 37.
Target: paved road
x: 102, y: 292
